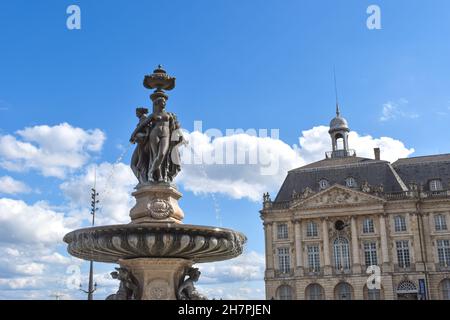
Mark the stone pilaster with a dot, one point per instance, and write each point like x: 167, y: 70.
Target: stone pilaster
x: 298, y: 247
x: 355, y: 247
x: 384, y: 244
x: 326, y: 247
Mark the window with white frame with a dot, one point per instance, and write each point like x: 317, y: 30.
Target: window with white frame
x: 350, y: 182
x: 370, y: 253
x: 403, y: 256
x: 400, y: 223
x: 282, y: 231
x: 284, y: 260
x: 435, y: 185
x: 440, y: 222
x: 368, y: 225
x: 341, y: 253
x: 311, y: 229
x: 443, y: 248
x: 323, y: 184
x: 313, y: 258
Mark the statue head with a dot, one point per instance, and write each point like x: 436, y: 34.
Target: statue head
x: 141, y: 111
x: 194, y: 274
x: 160, y: 103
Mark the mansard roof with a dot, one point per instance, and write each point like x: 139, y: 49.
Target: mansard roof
x: 421, y: 170
x: 336, y: 171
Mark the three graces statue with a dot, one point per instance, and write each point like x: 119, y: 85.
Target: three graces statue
x: 157, y: 135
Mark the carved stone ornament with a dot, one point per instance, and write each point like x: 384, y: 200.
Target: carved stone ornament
x: 158, y: 289
x: 160, y: 208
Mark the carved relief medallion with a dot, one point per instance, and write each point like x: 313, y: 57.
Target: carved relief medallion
x: 158, y: 290
x: 160, y: 208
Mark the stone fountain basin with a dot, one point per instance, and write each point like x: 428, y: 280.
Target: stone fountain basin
x: 155, y: 240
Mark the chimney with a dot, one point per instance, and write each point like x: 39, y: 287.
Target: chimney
x: 376, y: 151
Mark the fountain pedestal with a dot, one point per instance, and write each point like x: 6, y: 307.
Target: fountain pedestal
x: 157, y: 202
x: 159, y: 278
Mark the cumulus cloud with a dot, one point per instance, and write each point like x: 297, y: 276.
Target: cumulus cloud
x: 52, y: 151
x: 9, y: 185
x: 316, y: 141
x: 115, y: 183
x: 259, y: 164
x: 37, y: 223
x: 247, y: 267
x: 241, y: 165
x: 392, y: 110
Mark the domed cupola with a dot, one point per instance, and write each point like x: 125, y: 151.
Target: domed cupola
x: 338, y: 123
x: 339, y: 130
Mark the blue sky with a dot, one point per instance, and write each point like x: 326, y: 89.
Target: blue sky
x: 239, y: 64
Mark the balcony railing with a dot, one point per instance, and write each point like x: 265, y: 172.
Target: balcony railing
x: 442, y: 267
x: 314, y: 271
x: 341, y: 271
x: 410, y: 268
x: 284, y: 273
x: 340, y: 153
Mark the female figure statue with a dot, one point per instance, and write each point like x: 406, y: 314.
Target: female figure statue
x: 163, y: 140
x: 140, y: 157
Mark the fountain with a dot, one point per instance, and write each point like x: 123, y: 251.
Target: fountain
x: 156, y: 251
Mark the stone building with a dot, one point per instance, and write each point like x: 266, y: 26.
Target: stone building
x: 338, y: 221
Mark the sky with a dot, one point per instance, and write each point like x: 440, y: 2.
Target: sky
x: 67, y: 100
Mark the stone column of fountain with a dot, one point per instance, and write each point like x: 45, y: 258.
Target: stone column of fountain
x: 156, y: 250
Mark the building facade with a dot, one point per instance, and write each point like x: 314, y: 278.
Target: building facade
x: 348, y: 227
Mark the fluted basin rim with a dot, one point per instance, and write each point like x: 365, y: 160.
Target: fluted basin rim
x: 155, y: 240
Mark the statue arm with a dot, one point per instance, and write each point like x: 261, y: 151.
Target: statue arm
x: 140, y: 127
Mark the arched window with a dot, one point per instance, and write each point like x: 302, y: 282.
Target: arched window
x: 445, y: 289
x: 314, y: 292
x: 311, y: 229
x: 284, y: 292
x: 341, y: 253
x: 435, y: 185
x: 343, y: 291
x: 406, y: 287
x: 350, y: 182
x: 323, y: 184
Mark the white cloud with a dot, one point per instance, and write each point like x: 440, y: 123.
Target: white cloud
x: 115, y: 184
x: 8, y: 185
x: 264, y: 163
x: 392, y: 110
x: 37, y: 223
x: 52, y: 151
x: 247, y: 267
x: 316, y: 141
x: 246, y: 181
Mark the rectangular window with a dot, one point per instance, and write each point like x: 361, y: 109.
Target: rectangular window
x: 368, y: 226
x: 313, y: 258
x: 400, y: 224
x: 311, y: 229
x: 403, y: 253
x: 370, y: 253
x: 443, y: 247
x: 282, y: 231
x: 284, y: 260
x: 440, y: 222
